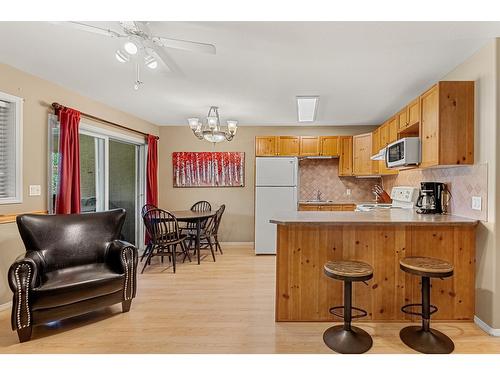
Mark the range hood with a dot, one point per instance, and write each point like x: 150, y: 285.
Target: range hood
x: 379, y: 155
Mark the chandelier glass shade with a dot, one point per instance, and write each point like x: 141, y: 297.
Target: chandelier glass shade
x: 211, y: 130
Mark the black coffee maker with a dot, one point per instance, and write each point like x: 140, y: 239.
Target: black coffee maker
x: 430, y: 199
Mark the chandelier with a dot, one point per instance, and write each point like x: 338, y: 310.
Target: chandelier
x: 211, y: 130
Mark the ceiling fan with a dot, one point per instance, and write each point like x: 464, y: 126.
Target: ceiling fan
x: 140, y: 42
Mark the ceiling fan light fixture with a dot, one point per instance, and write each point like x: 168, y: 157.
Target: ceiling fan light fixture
x: 122, y: 56
x: 150, y: 62
x: 131, y: 48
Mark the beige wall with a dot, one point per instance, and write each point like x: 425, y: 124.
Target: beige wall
x: 238, y: 222
x: 38, y: 94
x: 483, y: 68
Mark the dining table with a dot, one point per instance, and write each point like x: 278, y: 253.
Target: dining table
x: 196, y: 217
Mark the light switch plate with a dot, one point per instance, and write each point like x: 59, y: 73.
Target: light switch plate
x: 347, y: 192
x: 35, y: 190
x: 476, y: 203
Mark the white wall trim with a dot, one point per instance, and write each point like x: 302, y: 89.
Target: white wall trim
x: 237, y: 243
x: 6, y: 306
x: 486, y: 328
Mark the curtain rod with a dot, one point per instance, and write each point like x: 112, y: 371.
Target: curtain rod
x: 57, y: 106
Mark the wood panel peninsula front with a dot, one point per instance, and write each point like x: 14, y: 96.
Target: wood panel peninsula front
x: 307, y: 240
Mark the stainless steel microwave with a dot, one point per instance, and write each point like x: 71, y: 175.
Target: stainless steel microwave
x: 403, y: 152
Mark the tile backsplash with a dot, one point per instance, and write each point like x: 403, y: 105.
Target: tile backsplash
x: 322, y: 175
x: 464, y: 182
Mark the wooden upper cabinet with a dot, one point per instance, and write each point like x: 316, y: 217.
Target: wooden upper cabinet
x: 384, y: 134
x: 393, y: 130
x: 288, y: 146
x: 429, y: 127
x: 309, y: 146
x: 329, y: 146
x: 345, y: 157
x: 361, y: 152
x: 375, y: 149
x: 266, y: 146
x: 413, y: 112
x: 402, y: 118
x: 447, y: 124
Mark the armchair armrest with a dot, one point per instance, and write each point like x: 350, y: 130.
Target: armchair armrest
x: 123, y: 258
x: 23, y: 276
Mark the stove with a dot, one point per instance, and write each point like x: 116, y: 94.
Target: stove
x: 402, y: 197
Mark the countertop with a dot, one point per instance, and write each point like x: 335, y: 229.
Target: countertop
x: 387, y: 216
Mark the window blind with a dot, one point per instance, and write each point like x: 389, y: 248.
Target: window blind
x: 7, y: 150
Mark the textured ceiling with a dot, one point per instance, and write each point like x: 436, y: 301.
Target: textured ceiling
x: 363, y: 71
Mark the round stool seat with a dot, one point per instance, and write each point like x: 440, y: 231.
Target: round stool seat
x: 427, y: 267
x: 348, y: 270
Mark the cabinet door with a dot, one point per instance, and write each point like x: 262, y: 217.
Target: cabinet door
x: 329, y: 146
x: 402, y: 118
x: 345, y: 160
x: 265, y: 146
x: 362, y: 147
x: 331, y: 207
x: 375, y: 149
x: 414, y: 112
x: 429, y: 125
x: 393, y: 129
x: 308, y: 207
x: 288, y: 146
x: 309, y: 146
x: 348, y: 207
x: 384, y: 134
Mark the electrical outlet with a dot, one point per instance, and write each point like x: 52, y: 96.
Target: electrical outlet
x: 476, y: 203
x: 347, y: 192
x: 35, y: 190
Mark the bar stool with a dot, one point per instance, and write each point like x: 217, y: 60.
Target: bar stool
x: 424, y: 339
x: 345, y: 338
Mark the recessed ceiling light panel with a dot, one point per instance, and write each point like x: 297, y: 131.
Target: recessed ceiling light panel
x: 307, y: 106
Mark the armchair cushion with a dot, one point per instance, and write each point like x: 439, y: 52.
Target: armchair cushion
x: 75, y: 284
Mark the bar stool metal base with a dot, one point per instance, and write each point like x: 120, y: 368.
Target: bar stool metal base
x: 355, y: 341
x: 428, y: 342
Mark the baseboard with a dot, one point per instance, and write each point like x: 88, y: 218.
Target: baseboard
x: 486, y: 328
x: 6, y: 306
x: 237, y: 243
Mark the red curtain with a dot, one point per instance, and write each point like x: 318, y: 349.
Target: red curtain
x: 68, y: 195
x: 152, y: 174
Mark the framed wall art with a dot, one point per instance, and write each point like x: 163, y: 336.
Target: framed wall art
x: 208, y: 169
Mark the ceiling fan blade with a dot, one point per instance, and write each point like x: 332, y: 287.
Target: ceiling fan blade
x: 143, y: 26
x: 185, y: 45
x: 92, y: 29
x: 168, y: 62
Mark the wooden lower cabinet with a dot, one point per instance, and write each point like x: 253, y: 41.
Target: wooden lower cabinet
x: 303, y: 293
x: 327, y: 207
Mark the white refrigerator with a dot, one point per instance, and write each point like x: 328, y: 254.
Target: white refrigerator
x: 275, y: 191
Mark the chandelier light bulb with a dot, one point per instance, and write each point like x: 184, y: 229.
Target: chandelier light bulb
x: 232, y: 126
x: 130, y: 48
x: 193, y: 123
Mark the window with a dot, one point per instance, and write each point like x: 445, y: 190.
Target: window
x: 10, y: 149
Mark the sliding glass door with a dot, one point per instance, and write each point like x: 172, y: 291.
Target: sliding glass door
x: 112, y: 174
x: 123, y: 183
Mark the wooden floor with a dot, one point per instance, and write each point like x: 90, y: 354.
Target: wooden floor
x: 222, y: 307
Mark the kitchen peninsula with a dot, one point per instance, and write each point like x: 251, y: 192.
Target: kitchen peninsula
x: 307, y: 240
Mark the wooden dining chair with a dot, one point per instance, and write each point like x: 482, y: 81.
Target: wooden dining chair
x: 218, y: 218
x: 200, y: 206
x: 165, y: 236
x: 208, y: 235
x: 146, y: 208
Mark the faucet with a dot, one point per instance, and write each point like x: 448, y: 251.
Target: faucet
x: 318, y: 195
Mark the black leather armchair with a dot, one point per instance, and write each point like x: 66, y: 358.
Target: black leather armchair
x: 73, y: 264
